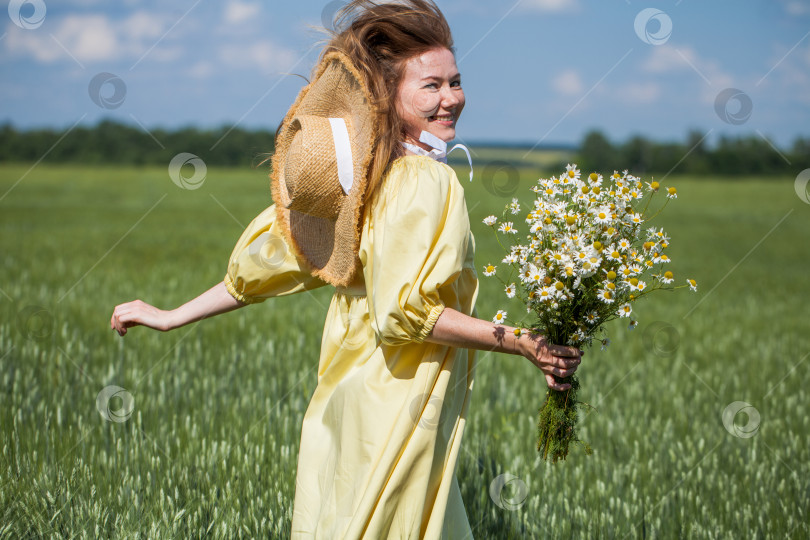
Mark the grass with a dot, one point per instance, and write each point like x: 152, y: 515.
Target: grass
x: 210, y: 449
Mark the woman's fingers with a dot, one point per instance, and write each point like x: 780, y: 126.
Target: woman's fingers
x: 555, y: 361
x: 138, y: 313
x: 559, y: 372
x: 562, y: 350
x: 559, y: 365
x: 554, y: 385
x: 124, y: 316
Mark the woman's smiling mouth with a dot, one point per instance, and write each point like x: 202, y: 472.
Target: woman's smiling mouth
x: 449, y: 118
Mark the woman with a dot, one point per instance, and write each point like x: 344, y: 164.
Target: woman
x: 381, y: 436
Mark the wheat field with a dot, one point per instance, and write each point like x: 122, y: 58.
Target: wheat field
x: 700, y: 427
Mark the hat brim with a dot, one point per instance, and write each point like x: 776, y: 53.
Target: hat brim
x: 329, y: 248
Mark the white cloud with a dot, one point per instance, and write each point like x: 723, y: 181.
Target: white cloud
x: 88, y: 38
x: 237, y: 12
x: 202, y: 70
x: 568, y: 83
x: 647, y: 92
x: 263, y: 55
x: 797, y: 8
x: 550, y: 5
x: 143, y: 25
x: 669, y: 59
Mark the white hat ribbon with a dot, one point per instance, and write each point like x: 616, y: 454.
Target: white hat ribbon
x: 439, y: 152
x: 343, y: 152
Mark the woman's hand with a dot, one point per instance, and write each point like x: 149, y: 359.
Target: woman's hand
x: 139, y: 313
x: 212, y: 302
x: 558, y: 360
x: 459, y: 330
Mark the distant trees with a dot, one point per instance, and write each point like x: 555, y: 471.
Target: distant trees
x: 750, y: 155
x: 113, y: 142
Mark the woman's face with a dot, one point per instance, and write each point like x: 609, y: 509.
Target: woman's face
x: 430, y: 97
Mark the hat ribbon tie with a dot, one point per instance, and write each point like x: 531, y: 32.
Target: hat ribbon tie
x: 439, y: 152
x: 343, y: 152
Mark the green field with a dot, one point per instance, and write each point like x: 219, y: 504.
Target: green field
x: 210, y: 449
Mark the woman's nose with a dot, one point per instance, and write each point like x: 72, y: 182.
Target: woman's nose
x: 450, y: 98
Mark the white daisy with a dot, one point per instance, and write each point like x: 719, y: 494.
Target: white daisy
x: 578, y: 337
x: 606, y: 296
x: 510, y: 290
x: 490, y: 220
x: 612, y: 254
x: 507, y: 228
x: 572, y: 172
x: 601, y: 215
x: 635, y: 218
x: 489, y: 270
x: 499, y: 317
x: 546, y: 294
x: 667, y: 277
x: 624, y: 310
x: 535, y: 274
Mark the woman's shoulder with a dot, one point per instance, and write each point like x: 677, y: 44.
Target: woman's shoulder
x: 417, y: 162
x: 405, y: 168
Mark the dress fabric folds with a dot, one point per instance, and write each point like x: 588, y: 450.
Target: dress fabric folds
x: 381, y: 437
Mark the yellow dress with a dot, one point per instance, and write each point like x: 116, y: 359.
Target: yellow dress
x: 381, y: 436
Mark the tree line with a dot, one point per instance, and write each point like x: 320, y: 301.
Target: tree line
x: 111, y: 142
x: 747, y: 155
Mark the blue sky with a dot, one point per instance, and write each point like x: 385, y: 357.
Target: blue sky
x: 534, y: 71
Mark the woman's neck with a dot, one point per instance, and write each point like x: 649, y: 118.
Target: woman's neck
x: 410, y: 140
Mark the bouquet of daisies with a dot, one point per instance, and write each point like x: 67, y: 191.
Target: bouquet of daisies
x: 587, y: 260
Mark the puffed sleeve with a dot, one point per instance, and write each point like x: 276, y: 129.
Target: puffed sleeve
x: 263, y: 265
x: 414, y: 245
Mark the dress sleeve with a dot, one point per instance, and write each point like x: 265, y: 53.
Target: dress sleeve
x: 263, y: 265
x: 415, y: 243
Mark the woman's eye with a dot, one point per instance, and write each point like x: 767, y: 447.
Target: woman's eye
x: 431, y: 85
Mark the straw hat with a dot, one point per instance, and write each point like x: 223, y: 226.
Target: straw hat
x: 319, y: 178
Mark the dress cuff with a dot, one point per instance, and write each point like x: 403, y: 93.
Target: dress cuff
x: 245, y: 299
x: 427, y: 328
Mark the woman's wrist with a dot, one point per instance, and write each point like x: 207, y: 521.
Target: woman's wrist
x: 171, y: 320
x: 521, y: 341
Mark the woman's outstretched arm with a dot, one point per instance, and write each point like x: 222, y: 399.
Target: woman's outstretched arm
x: 212, y: 302
x: 456, y: 329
